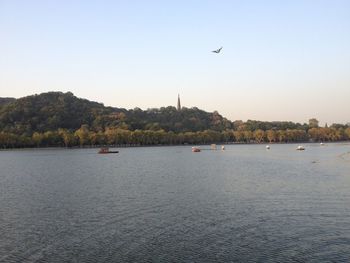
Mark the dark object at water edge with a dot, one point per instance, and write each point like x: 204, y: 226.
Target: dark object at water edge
x: 106, y: 150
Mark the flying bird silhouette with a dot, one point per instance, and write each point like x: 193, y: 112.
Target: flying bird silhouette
x: 217, y: 51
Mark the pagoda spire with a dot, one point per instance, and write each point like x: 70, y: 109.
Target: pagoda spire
x: 178, y: 102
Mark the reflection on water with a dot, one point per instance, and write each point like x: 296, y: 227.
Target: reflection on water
x: 167, y: 204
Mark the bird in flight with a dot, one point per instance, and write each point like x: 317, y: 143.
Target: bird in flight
x: 217, y: 51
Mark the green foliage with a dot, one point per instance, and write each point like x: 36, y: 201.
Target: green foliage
x: 4, y: 101
x: 253, y: 125
x: 313, y: 123
x: 61, y: 119
x: 50, y: 111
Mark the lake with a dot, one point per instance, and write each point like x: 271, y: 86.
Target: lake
x: 167, y: 204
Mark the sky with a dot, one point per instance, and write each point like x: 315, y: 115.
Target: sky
x: 281, y: 60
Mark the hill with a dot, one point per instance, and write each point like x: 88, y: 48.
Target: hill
x: 4, y: 101
x: 54, y: 110
x: 62, y: 119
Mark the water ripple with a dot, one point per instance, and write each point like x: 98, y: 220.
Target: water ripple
x: 165, y: 204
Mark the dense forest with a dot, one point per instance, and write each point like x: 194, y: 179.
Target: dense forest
x: 61, y: 119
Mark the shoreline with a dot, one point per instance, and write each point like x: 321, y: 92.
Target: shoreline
x: 163, y: 145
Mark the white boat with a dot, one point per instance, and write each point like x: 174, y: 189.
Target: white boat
x: 300, y: 148
x: 196, y: 149
x: 267, y: 147
x: 223, y: 147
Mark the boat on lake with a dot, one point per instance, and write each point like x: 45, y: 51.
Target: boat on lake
x: 196, y: 149
x: 300, y: 148
x: 105, y: 150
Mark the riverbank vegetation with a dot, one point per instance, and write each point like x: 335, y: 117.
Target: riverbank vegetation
x: 61, y: 119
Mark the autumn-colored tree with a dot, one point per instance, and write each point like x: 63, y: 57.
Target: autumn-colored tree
x: 238, y: 136
x: 68, y: 137
x: 83, y: 135
x: 37, y: 138
x: 248, y: 135
x: 259, y: 135
x: 347, y: 133
x: 281, y: 135
x: 271, y: 135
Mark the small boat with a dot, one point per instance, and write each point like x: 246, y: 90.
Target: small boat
x: 105, y: 150
x: 300, y: 148
x: 321, y: 143
x: 222, y: 147
x: 196, y: 149
x: 267, y: 147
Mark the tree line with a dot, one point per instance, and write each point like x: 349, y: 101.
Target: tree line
x: 84, y: 137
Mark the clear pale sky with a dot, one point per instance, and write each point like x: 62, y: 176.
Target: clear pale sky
x: 281, y: 60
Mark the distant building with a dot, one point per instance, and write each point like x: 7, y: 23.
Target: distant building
x: 178, y: 102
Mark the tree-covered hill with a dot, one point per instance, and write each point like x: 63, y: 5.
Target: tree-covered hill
x: 4, y: 101
x: 54, y: 110
x: 49, y: 111
x: 61, y: 119
x: 170, y: 119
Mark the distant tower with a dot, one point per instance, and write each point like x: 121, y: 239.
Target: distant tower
x: 178, y: 102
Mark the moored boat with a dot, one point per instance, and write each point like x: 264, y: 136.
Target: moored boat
x: 300, y: 148
x: 196, y: 149
x: 105, y: 150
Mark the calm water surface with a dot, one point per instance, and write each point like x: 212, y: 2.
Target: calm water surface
x: 167, y: 204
